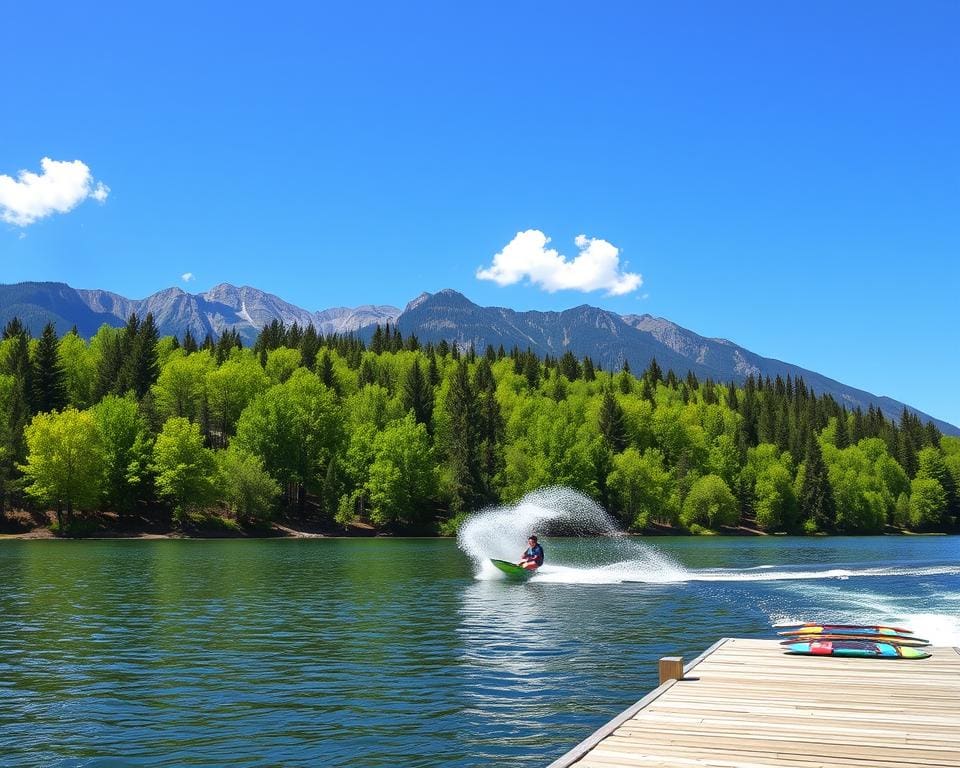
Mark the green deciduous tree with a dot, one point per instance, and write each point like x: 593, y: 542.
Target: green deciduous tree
x: 281, y: 363
x: 710, y: 504
x: 231, y: 388
x: 641, y: 488
x: 931, y: 464
x: 181, y: 388
x: 127, y: 451
x: 80, y: 362
x: 928, y: 503
x: 775, y: 502
x: 64, y: 466
x: 402, y: 478
x: 295, y: 428
x: 246, y: 486
x: 184, y: 467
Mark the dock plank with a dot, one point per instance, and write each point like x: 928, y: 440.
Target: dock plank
x: 746, y: 704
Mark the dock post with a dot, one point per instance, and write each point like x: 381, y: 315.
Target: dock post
x: 671, y: 668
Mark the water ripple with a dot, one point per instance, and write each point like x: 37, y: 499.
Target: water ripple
x: 381, y: 653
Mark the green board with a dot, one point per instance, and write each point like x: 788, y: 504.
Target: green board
x: 512, y: 570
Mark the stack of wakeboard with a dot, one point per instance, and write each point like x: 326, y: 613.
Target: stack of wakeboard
x: 853, y: 640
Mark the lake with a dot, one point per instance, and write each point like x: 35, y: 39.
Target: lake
x: 387, y: 652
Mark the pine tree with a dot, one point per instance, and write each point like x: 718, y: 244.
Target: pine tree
x: 49, y: 380
x: 732, y: 401
x: 654, y: 373
x: 816, y: 495
x: 589, y: 374
x: 906, y: 453
x: 15, y: 327
x: 417, y: 395
x: 224, y: 345
x: 19, y: 366
x: 368, y: 373
x: 613, y: 423
x: 646, y: 391
x: 531, y: 370
x: 766, y: 420
x: 490, y: 432
x: 309, y: 346
x: 141, y: 368
x: 462, y: 447
x: 857, y: 433
x: 707, y: 392
x: 293, y: 336
x: 749, y: 412
x: 109, y: 365
x: 189, y: 342
x: 569, y: 366
x: 783, y: 427
x: 325, y: 370
x: 842, y: 437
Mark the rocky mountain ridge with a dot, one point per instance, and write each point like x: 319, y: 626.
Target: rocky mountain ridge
x: 610, y: 339
x: 224, y: 307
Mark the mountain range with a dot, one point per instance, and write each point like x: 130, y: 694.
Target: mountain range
x: 610, y: 339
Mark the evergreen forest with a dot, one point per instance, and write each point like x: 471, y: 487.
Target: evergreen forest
x: 332, y: 432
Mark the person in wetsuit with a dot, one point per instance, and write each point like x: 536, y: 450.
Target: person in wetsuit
x: 533, y: 555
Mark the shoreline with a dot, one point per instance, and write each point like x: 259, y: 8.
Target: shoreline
x: 280, y: 532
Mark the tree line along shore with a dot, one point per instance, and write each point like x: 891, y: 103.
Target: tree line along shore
x: 133, y: 431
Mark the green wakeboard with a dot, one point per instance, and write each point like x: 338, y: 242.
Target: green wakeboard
x: 513, y: 570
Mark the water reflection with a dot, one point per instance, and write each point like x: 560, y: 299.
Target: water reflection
x: 378, y: 653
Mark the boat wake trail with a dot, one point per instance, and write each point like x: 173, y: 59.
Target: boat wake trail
x: 500, y: 532
x: 792, y: 573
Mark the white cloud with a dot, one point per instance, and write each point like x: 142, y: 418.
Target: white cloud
x: 59, y: 187
x: 186, y: 277
x: 100, y: 192
x: 596, y: 267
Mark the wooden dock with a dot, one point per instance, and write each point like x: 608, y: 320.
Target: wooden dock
x: 746, y: 704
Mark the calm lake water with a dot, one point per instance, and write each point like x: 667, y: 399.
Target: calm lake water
x: 390, y: 652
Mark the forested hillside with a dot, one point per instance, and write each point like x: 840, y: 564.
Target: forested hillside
x: 408, y: 438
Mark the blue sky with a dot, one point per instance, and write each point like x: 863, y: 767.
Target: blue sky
x: 784, y: 175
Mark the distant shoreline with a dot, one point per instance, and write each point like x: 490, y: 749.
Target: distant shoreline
x: 285, y: 532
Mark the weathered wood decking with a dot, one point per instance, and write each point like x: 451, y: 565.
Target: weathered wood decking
x: 746, y: 704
